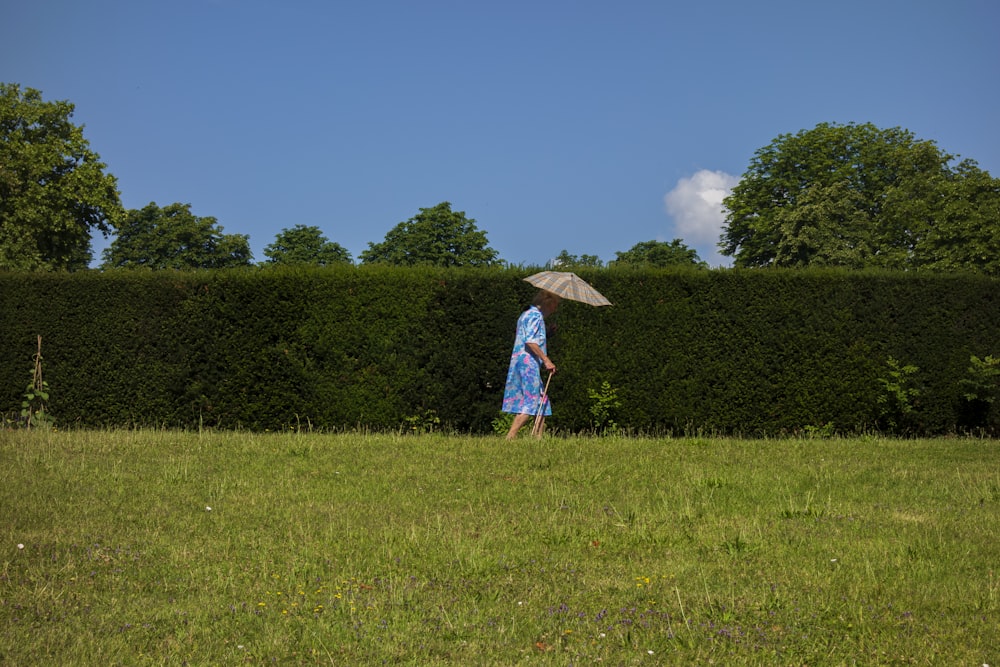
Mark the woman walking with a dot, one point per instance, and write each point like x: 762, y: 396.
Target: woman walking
x: 522, y: 395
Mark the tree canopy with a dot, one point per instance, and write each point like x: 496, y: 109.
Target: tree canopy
x: 564, y: 260
x: 660, y: 254
x: 304, y: 244
x: 859, y: 196
x: 435, y: 236
x: 173, y: 238
x: 53, y: 187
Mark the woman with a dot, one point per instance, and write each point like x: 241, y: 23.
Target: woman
x: 522, y: 394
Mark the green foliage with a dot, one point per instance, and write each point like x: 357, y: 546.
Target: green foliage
x: 983, y: 383
x: 33, y: 408
x: 604, y: 407
x: 980, y: 392
x: 565, y: 261
x: 173, y: 238
x: 857, y: 196
x: 501, y: 423
x: 660, y: 254
x: 897, y: 393
x: 304, y: 244
x: 822, y: 431
x: 436, y: 236
x: 34, y: 412
x: 53, y: 189
x: 966, y: 229
x: 340, y: 347
x: 428, y: 422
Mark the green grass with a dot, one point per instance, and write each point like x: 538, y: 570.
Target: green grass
x: 424, y: 550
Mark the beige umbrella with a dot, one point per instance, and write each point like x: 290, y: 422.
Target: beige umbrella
x: 568, y: 286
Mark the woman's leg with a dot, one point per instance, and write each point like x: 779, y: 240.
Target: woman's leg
x: 519, y: 421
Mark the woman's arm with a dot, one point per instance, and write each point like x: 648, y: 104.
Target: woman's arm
x: 537, y: 351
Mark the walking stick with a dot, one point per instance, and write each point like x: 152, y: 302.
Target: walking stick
x: 539, y: 425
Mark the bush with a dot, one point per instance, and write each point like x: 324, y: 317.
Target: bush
x: 751, y: 352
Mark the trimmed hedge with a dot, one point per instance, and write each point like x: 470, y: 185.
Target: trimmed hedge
x: 744, y: 352
x: 764, y: 352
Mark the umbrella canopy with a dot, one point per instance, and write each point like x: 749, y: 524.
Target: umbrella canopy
x: 568, y: 286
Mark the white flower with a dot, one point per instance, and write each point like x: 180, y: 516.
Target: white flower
x: 20, y: 546
x: 207, y: 508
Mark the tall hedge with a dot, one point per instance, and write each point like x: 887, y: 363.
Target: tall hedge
x: 776, y: 351
x: 749, y: 352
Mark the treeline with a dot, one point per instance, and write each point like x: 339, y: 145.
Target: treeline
x: 681, y: 351
x: 850, y: 196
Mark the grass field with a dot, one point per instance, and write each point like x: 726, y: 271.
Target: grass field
x: 145, y: 547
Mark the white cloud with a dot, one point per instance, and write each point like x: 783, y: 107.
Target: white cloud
x: 695, y: 204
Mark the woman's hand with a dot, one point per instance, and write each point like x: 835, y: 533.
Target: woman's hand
x: 536, y: 350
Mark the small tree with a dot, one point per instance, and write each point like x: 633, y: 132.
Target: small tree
x: 981, y: 391
x: 660, y: 254
x: 604, y: 405
x: 173, y: 238
x: 436, y: 236
x: 897, y: 395
x: 34, y: 407
x: 564, y: 261
x: 306, y: 245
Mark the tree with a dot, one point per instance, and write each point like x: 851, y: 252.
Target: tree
x: 173, y: 238
x: 964, y: 233
x: 306, y: 245
x: 437, y: 237
x: 564, y: 260
x: 859, y: 196
x: 53, y: 189
x: 660, y: 254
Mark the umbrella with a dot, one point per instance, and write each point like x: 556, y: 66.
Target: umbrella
x: 568, y: 286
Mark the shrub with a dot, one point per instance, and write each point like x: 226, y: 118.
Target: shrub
x: 726, y: 351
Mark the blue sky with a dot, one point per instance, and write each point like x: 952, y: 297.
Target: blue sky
x: 579, y: 125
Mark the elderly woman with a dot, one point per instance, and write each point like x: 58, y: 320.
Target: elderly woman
x: 522, y: 395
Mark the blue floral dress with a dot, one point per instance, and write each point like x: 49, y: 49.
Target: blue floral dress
x: 523, y: 391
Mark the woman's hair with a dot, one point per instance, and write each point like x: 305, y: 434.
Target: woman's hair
x: 545, y: 297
